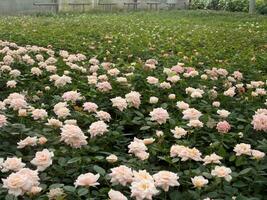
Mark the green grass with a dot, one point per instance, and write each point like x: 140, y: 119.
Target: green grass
x: 234, y: 40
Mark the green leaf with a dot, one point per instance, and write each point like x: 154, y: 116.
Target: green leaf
x: 74, y: 160
x: 10, y: 197
x: 175, y: 195
x: 245, y: 171
x: 56, y: 185
x: 82, y: 191
x: 99, y: 170
x: 143, y: 128
x: 69, y: 188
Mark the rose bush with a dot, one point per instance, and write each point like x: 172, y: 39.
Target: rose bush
x: 74, y: 127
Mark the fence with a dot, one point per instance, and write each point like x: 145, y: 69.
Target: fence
x: 14, y: 7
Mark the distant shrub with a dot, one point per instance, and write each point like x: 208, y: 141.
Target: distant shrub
x: 229, y: 5
x: 262, y: 7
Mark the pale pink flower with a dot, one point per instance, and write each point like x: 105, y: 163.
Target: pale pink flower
x: 94, y: 61
x: 104, y: 116
x: 182, y: 105
x: 42, y: 140
x: 121, y: 175
x: 116, y: 195
x: 54, y: 123
x: 159, y: 115
x: 72, y: 96
x: 12, y: 164
x: 191, y: 113
x: 21, y: 182
x: 28, y: 141
x: 199, y: 181
x: 103, y: 86
x: 178, y: 69
x: 257, y: 155
x: 259, y: 122
x: 3, y: 120
x: 152, y: 80
x: 216, y: 104
x: 172, y: 96
x: 230, y: 92
x: 133, y: 99
x: 55, y: 193
x: 142, y: 175
x: 223, y: 113
x: 148, y: 141
x: 138, y: 148
x: 178, y: 132
x: 98, y: 128
x: 73, y: 136
x: 242, y: 149
x: 223, y: 127
x: 15, y: 183
x: 113, y: 72
x: 153, y: 100
x: 185, y: 153
x: 43, y: 159
x: 90, y: 107
x: 36, y: 71
x: 165, y: 179
x: 212, y: 158
x: 87, y: 180
x: 39, y: 114
x: 195, y: 123
x: 11, y: 84
x: 222, y: 172
x: 112, y: 158
x: 165, y: 85
x: 143, y: 190
x: 119, y: 103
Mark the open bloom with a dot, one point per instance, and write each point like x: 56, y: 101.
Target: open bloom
x: 191, y: 114
x: 116, y: 195
x: 138, y: 148
x: 259, y: 122
x: 3, y: 120
x: 185, y: 153
x: 98, y: 128
x: 133, y: 99
x: 178, y: 132
x: 159, y: 115
x: 71, y: 96
x: 121, y: 175
x: 199, y: 181
x: 39, y: 114
x: 223, y: 127
x: 165, y: 179
x: 242, y: 149
x: 222, y: 172
x: 212, y: 158
x: 119, y: 103
x: 257, y: 155
x: 143, y: 190
x: 12, y: 164
x: 87, y: 180
x: 90, y: 107
x: 28, y: 141
x: 21, y: 182
x: 43, y: 159
x: 73, y: 136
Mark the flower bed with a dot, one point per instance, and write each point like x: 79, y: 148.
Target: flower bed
x: 74, y: 127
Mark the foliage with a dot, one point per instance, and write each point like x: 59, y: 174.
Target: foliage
x: 201, y: 40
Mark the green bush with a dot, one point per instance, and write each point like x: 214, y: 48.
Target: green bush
x: 228, y: 5
x: 262, y: 7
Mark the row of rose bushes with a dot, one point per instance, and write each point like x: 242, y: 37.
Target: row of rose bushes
x: 75, y: 128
